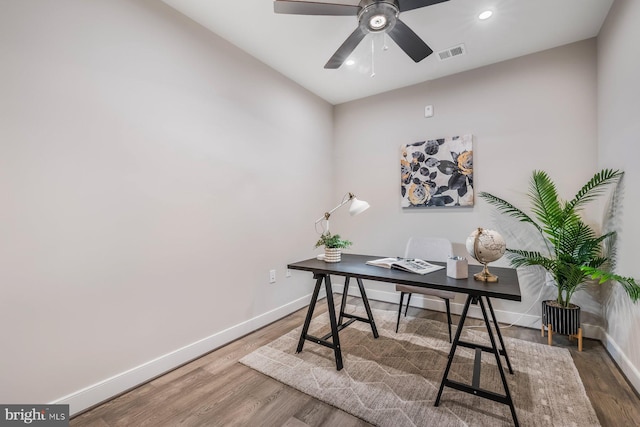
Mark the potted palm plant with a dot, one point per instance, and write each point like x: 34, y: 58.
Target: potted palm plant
x: 333, y: 245
x: 573, y: 252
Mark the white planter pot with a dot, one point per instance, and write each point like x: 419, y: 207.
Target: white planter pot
x: 332, y: 254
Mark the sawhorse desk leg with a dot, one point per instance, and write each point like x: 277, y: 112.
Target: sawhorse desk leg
x: 335, y: 338
x: 474, y: 388
x: 336, y: 326
x: 353, y: 317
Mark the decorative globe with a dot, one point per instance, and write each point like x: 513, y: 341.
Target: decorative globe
x: 486, y: 246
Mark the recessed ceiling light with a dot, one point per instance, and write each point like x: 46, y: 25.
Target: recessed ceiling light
x: 485, y: 15
x: 350, y: 62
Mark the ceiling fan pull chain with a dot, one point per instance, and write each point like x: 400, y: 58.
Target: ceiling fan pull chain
x: 384, y: 42
x: 373, y: 70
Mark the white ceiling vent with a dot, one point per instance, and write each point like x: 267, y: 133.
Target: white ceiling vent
x: 452, y: 52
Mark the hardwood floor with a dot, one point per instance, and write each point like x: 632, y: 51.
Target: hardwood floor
x: 216, y: 390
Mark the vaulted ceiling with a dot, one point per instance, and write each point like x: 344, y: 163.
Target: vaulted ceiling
x: 298, y: 46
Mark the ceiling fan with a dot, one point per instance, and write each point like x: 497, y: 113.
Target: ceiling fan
x: 374, y: 16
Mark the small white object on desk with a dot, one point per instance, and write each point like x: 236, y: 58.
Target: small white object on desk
x: 457, y: 267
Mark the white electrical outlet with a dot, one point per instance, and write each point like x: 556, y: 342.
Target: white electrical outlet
x: 272, y: 276
x: 288, y: 273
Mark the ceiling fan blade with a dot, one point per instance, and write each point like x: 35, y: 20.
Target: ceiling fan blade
x: 416, y: 4
x: 345, y: 50
x: 313, y: 8
x: 409, y: 41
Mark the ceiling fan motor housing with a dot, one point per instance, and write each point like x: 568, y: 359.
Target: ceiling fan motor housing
x: 375, y: 16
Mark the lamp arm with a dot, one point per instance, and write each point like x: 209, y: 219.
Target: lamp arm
x: 347, y: 197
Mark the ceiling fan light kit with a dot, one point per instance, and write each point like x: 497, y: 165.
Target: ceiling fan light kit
x: 378, y: 16
x: 374, y: 16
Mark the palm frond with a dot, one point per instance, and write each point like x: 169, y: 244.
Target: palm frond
x: 570, y: 278
x: 522, y: 258
x: 576, y: 251
x: 629, y: 284
x: 578, y: 242
x: 592, y: 189
x: 567, y: 238
x: 545, y: 201
x: 599, y: 263
x: 507, y: 208
x: 570, y: 274
x: 591, y: 249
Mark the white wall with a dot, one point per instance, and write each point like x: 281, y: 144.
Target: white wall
x: 618, y: 137
x: 534, y: 112
x: 148, y: 171
x: 148, y: 178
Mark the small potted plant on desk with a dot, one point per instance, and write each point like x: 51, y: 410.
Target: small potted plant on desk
x: 333, y: 245
x: 573, y: 252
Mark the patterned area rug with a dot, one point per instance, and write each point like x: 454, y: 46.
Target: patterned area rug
x: 394, y: 380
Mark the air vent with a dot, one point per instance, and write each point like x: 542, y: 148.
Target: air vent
x: 452, y: 52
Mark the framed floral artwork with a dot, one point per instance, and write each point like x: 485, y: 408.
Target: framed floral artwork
x: 437, y: 172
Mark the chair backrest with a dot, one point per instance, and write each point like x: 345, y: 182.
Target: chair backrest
x: 429, y: 248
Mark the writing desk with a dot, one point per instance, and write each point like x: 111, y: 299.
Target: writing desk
x: 354, y: 266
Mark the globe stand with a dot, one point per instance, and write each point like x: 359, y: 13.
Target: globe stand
x: 485, y: 246
x: 485, y: 276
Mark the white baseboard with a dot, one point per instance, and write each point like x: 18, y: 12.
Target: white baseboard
x: 437, y: 304
x: 630, y: 371
x: 92, y: 395
x: 95, y: 394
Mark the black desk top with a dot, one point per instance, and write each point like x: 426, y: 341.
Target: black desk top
x: 507, y: 287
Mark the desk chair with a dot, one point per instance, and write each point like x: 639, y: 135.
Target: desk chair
x: 428, y: 249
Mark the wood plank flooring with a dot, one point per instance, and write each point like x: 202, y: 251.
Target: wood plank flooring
x: 216, y: 390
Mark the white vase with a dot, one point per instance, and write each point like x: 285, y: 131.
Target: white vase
x: 332, y: 254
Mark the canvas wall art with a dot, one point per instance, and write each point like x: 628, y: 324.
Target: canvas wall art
x: 437, y: 172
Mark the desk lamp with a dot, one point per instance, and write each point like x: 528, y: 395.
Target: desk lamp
x: 357, y: 207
